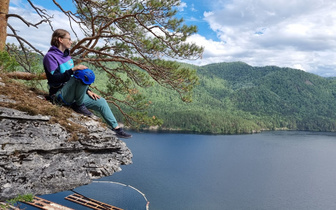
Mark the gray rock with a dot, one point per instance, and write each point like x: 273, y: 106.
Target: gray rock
x: 36, y: 156
x: 4, y: 98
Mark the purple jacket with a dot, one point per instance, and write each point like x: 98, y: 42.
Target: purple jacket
x: 57, y: 66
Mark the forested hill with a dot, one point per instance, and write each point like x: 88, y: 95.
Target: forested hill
x: 238, y: 98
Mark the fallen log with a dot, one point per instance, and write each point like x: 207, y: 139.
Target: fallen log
x: 26, y: 75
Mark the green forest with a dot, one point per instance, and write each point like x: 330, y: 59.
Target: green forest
x: 236, y: 98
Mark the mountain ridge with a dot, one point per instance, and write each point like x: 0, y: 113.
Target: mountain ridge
x: 238, y: 98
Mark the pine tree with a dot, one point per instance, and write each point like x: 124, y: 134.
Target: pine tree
x: 135, y: 43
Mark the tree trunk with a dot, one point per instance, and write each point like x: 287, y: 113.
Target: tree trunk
x: 4, y: 7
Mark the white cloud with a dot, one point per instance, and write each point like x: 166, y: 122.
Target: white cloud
x: 193, y: 8
x: 298, y: 34
x: 182, y: 6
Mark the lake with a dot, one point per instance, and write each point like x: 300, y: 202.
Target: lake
x: 269, y: 170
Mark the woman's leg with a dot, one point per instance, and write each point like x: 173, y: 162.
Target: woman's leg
x: 101, y: 106
x: 73, y: 91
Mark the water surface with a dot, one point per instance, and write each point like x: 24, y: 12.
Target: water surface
x: 270, y: 170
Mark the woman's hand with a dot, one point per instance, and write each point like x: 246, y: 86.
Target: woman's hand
x: 79, y: 67
x: 93, y: 95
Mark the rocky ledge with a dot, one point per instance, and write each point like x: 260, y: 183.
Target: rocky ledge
x: 37, y: 157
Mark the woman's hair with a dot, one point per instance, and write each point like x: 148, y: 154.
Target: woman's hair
x: 59, y: 33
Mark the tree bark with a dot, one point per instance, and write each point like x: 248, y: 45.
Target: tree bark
x: 4, y: 7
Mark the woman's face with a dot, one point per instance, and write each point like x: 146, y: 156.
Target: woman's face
x: 66, y: 41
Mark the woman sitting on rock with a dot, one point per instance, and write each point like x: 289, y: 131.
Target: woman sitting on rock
x: 68, y: 84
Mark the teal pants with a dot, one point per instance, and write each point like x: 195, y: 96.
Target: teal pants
x: 74, y: 91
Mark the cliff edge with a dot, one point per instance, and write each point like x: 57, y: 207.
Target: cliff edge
x: 41, y: 155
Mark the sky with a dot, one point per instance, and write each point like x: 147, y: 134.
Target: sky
x: 299, y: 34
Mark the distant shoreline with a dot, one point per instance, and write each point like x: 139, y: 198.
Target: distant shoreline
x: 181, y: 131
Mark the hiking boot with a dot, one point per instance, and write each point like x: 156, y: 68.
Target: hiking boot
x: 81, y: 109
x: 121, y: 133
